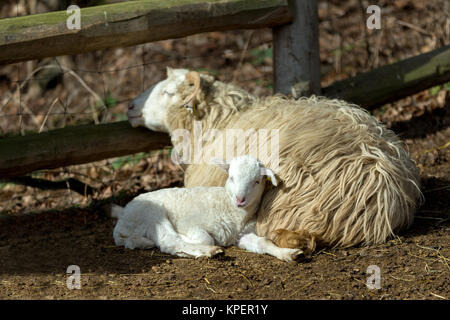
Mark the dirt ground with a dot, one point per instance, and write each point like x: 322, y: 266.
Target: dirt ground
x: 36, y: 250
x: 43, y: 232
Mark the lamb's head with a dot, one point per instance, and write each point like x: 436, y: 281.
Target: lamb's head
x: 246, y: 179
x: 150, y: 109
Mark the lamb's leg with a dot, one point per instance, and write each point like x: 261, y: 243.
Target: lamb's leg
x: 127, y: 235
x: 197, y: 235
x: 168, y: 240
x: 251, y: 242
x: 139, y: 242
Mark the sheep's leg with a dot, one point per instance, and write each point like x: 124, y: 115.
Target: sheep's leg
x: 253, y: 243
x: 301, y: 239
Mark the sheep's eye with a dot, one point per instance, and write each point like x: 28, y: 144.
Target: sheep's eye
x: 256, y: 182
x: 169, y: 93
x: 231, y: 179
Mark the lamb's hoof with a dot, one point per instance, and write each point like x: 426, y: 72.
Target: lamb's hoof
x: 217, y: 251
x: 209, y: 252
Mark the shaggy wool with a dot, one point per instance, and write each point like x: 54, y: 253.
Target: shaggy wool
x: 345, y: 178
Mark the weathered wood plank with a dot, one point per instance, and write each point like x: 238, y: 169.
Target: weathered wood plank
x: 296, y: 51
x: 131, y: 23
x: 75, y: 145
x: 394, y: 81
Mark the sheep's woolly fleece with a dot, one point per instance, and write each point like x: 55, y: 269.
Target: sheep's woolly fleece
x: 346, y: 178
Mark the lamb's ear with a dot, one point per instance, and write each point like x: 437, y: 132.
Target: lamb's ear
x: 270, y: 175
x: 221, y: 164
x: 169, y: 72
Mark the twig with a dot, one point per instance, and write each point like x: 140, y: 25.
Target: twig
x: 440, y: 258
x: 46, y: 115
x: 43, y: 184
x: 27, y: 109
x: 243, y: 55
x: 211, y: 289
x: 428, y: 248
x: 411, y: 26
x: 248, y: 280
x: 431, y: 218
x: 438, y: 148
x: 301, y: 288
x: 376, y: 53
x: 329, y: 253
x: 439, y: 254
x: 401, y: 278
x: 438, y: 296
x: 423, y: 258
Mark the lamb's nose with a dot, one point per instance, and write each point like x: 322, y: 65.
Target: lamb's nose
x: 240, y: 201
x: 131, y: 106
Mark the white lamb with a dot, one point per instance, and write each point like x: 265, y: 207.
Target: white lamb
x: 190, y: 222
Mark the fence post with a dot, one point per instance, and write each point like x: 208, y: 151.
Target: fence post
x: 296, y: 51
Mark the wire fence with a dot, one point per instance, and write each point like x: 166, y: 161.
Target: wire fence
x: 15, y: 106
x: 96, y: 88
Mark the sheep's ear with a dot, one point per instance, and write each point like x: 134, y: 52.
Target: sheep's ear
x: 190, y: 106
x: 169, y: 72
x: 192, y: 78
x: 221, y: 164
x: 270, y: 175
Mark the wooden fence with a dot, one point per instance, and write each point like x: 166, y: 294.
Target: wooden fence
x: 296, y: 61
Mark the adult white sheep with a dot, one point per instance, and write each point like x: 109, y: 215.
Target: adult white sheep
x: 189, y: 222
x: 347, y: 179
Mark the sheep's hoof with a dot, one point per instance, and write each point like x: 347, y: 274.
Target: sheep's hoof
x: 301, y: 256
x: 293, y: 255
x: 298, y: 255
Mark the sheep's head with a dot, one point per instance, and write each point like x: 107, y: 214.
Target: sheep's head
x: 246, y: 179
x: 150, y: 109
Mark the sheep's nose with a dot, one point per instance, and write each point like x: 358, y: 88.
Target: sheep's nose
x: 131, y: 105
x: 240, y: 201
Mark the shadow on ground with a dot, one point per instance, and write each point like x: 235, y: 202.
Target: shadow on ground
x: 419, y: 127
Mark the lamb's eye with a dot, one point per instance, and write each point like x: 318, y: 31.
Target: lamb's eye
x: 256, y: 182
x: 231, y: 179
x: 170, y: 94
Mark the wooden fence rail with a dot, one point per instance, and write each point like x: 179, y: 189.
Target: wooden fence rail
x: 131, y: 23
x: 75, y: 145
x: 394, y: 81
